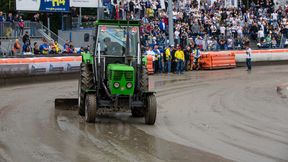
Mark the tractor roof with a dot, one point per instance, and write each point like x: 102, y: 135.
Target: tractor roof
x: 118, y: 22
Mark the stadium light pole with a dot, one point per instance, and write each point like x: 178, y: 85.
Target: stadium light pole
x: 171, y: 25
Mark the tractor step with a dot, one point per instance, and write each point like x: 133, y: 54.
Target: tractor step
x: 66, y: 103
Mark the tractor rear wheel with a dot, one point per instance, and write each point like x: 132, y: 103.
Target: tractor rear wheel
x: 137, y: 112
x: 151, y: 110
x: 90, y: 108
x: 85, y: 82
x: 144, y: 80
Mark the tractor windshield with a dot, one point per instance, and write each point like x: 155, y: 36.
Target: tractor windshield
x: 113, y: 40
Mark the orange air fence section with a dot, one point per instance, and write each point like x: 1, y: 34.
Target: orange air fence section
x: 149, y: 64
x: 218, y: 61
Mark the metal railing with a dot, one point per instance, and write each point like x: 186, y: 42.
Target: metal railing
x: 10, y: 30
x: 43, y: 31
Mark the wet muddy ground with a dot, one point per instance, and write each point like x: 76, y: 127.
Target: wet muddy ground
x: 204, y: 116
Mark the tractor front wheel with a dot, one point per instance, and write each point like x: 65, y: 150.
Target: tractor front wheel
x: 90, y: 108
x: 151, y: 110
x: 85, y: 82
x: 81, y: 99
x: 144, y: 80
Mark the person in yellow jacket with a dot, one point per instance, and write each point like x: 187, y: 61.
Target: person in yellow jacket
x: 56, y: 45
x: 179, y: 57
x: 167, y: 59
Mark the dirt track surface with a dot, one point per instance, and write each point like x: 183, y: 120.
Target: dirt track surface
x: 206, y: 116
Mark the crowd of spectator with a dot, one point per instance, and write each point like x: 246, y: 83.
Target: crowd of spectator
x: 203, y: 27
x: 211, y: 26
x: 44, y: 48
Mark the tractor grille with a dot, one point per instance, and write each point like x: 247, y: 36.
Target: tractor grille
x: 129, y: 76
x: 118, y: 75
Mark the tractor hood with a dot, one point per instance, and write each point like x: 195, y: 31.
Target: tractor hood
x: 121, y: 79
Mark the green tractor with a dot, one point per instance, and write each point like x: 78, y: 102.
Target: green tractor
x: 114, y: 78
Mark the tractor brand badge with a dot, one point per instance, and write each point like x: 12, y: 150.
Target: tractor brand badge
x: 122, y: 88
x: 103, y: 28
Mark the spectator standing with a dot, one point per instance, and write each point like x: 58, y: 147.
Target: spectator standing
x: 26, y: 38
x: 35, y: 19
x: 157, y: 60
x: 1, y: 50
x: 173, y: 60
x: 167, y: 59
x: 9, y: 28
x: 187, y: 53
x: 2, y: 19
x: 1, y: 22
x: 248, y: 58
x: 197, y: 55
x: 180, y: 58
x: 21, y: 25
x: 177, y: 36
x: 142, y: 8
x: 16, y: 26
x: 10, y: 18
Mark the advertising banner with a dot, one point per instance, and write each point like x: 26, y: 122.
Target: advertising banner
x: 14, y: 70
x: 43, y: 5
x: 84, y: 3
x: 39, y: 66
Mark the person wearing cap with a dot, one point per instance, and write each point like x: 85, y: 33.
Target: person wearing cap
x: 179, y: 58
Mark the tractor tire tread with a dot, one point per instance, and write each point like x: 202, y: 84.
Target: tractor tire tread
x: 151, y: 110
x: 91, y: 108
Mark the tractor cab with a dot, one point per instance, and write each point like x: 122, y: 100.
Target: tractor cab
x: 116, y: 79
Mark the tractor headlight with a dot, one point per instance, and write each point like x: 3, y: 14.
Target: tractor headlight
x: 129, y: 85
x: 116, y: 85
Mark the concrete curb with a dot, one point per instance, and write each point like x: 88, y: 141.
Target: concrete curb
x: 282, y: 90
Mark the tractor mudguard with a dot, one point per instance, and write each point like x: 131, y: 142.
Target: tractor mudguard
x: 87, y: 58
x: 149, y: 92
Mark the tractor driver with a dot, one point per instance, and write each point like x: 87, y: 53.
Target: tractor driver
x: 112, y: 48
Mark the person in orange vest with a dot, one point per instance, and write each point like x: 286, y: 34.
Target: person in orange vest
x: 179, y: 58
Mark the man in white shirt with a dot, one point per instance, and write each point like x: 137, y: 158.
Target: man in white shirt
x: 177, y: 38
x: 261, y: 34
x: 223, y: 30
x: 274, y: 16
